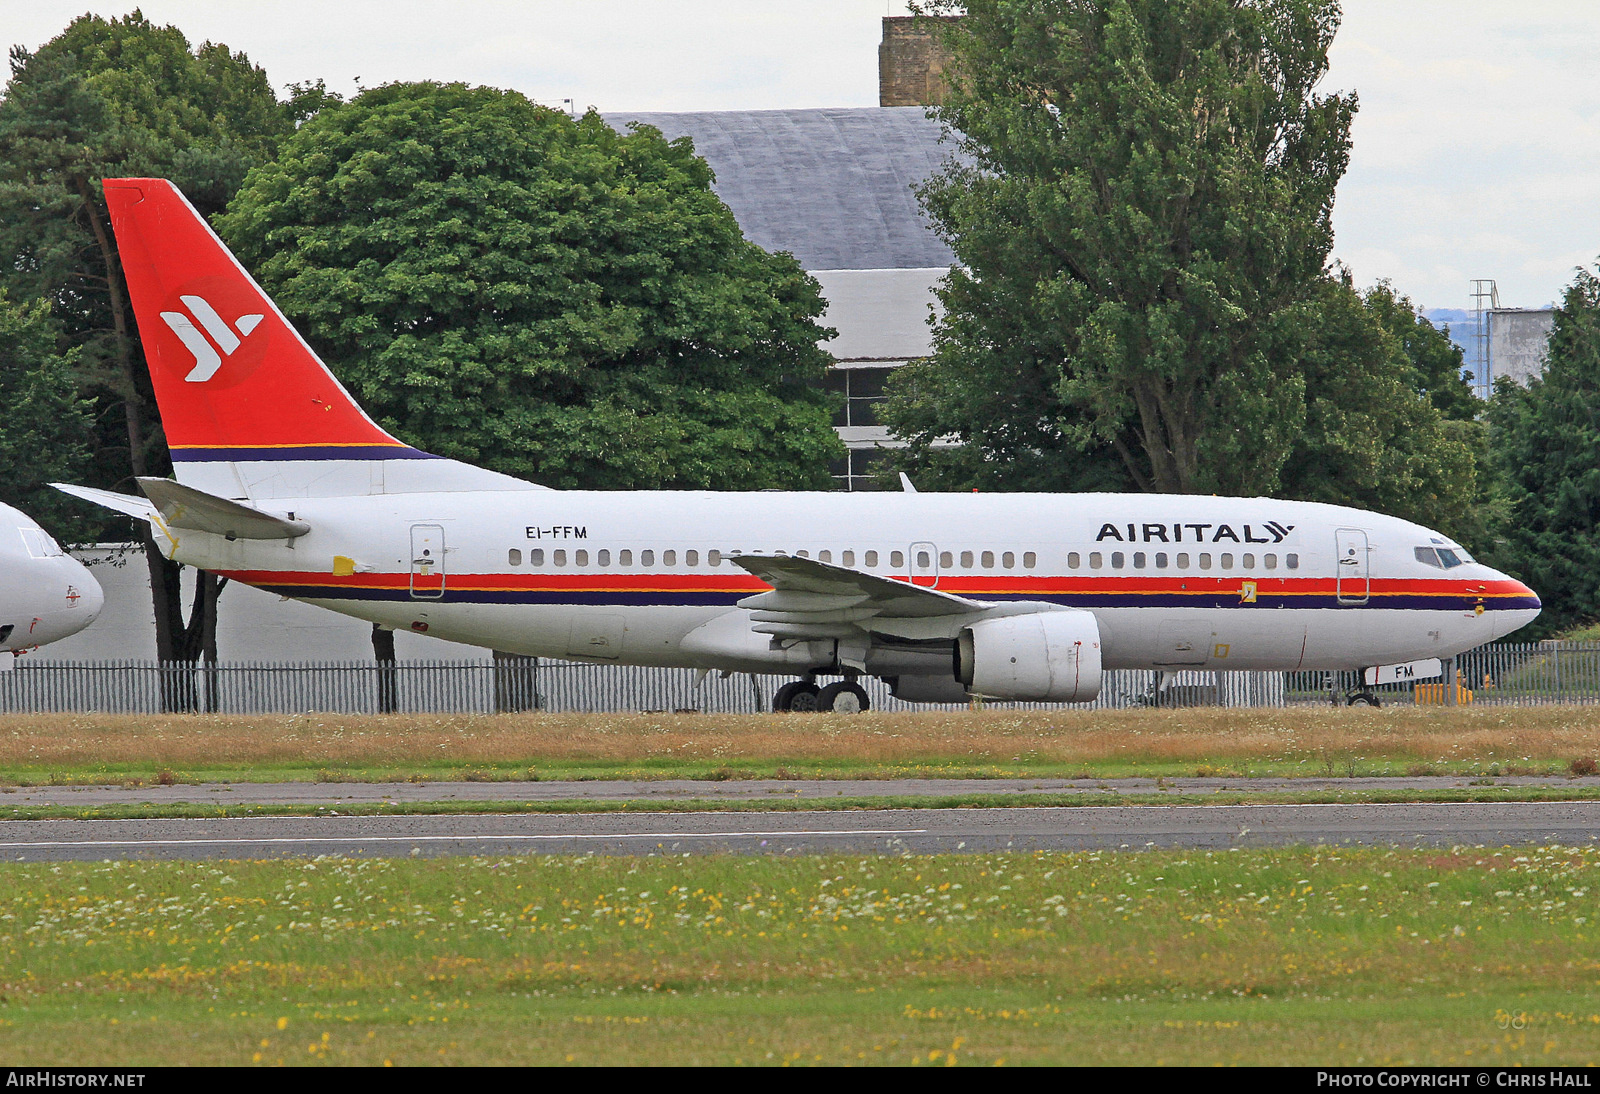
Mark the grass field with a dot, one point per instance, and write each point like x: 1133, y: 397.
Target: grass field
x: 63, y: 748
x: 1466, y: 956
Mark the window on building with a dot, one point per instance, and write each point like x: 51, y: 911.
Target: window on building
x: 859, y: 469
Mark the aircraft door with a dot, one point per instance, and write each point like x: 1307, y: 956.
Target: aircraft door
x: 1351, y: 581
x: 427, y: 561
x: 924, y: 559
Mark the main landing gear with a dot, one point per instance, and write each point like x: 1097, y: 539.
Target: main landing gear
x: 1357, y: 695
x: 803, y: 696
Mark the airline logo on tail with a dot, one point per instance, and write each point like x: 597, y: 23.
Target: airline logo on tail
x: 206, y: 358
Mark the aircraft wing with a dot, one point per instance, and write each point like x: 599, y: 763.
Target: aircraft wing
x: 811, y: 599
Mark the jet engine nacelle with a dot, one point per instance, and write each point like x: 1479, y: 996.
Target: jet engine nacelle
x: 1045, y: 657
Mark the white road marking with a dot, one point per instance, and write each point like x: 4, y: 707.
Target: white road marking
x: 446, y: 839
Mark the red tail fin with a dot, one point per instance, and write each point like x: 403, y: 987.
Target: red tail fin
x: 234, y: 380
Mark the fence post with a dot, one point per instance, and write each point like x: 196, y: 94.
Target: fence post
x: 1449, y: 681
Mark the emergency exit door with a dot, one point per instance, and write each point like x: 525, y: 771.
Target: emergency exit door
x: 427, y: 561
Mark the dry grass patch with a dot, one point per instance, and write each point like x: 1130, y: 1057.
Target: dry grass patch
x: 1308, y: 740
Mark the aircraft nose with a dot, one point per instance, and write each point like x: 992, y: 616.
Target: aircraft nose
x: 1521, y: 606
x: 84, y: 599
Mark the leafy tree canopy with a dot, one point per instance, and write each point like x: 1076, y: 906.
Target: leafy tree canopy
x: 1146, y: 199
x: 1544, y: 442
x: 44, y: 432
x: 501, y: 283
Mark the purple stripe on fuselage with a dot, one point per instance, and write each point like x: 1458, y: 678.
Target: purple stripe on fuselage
x: 307, y: 452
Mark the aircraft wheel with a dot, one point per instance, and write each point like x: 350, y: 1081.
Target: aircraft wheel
x: 1365, y: 699
x: 797, y: 696
x: 844, y: 697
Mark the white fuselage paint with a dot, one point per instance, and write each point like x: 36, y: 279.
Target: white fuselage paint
x: 45, y: 594
x: 1161, y: 614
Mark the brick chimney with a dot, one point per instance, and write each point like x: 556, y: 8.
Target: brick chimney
x: 912, y: 61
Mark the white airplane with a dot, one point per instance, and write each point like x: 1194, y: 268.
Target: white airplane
x: 45, y: 594
x: 282, y: 482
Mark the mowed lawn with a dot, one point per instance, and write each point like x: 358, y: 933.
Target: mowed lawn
x: 1308, y: 956
x: 1322, y: 741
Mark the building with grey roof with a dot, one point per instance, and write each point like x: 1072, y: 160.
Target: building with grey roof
x: 836, y: 188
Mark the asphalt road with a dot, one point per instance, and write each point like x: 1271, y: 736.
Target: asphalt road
x: 332, y: 793
x: 890, y: 831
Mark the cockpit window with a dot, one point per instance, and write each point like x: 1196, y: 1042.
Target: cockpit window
x: 1428, y: 557
x: 1449, y: 558
x: 39, y: 543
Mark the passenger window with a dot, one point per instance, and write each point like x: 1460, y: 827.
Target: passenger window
x: 1116, y: 560
x: 1072, y: 560
x: 514, y: 557
x: 987, y: 558
x: 560, y: 558
x: 897, y: 559
x: 872, y: 559
x: 1029, y: 559
x: 605, y: 558
x: 824, y: 556
x: 1227, y: 562
x: 802, y: 554
x: 582, y: 558
x: 1183, y: 562
x: 536, y: 557
x: 848, y: 558
x: 1270, y: 561
x: 946, y: 560
x: 713, y: 558
x: 647, y: 558
x: 669, y: 558
x: 1095, y: 559
x: 1292, y: 561
x: 1138, y: 560
x: 691, y: 558
x: 1205, y: 561
x: 625, y: 558
x: 1248, y: 562
x: 924, y: 560
x: 1008, y: 560
x: 1161, y: 560
x: 966, y: 560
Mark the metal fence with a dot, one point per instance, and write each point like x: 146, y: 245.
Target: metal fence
x: 1519, y: 674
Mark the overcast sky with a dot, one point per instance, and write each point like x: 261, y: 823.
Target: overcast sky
x: 1477, y: 148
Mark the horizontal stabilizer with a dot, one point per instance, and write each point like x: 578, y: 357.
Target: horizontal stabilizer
x: 185, y: 507
x: 140, y: 508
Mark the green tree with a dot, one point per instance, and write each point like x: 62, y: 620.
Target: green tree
x: 1371, y: 434
x: 503, y: 284
x: 1141, y: 218
x: 45, y: 429
x: 107, y: 98
x: 1544, y: 439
